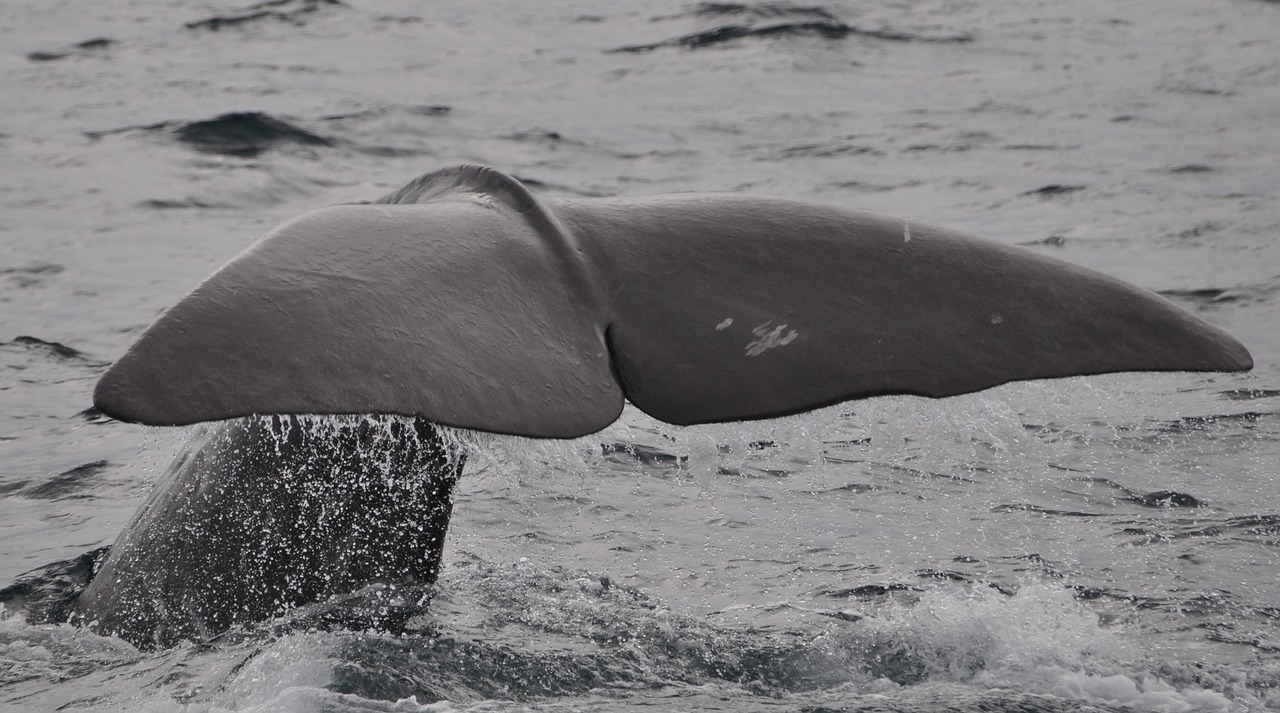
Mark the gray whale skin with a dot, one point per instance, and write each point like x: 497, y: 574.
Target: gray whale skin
x: 465, y: 301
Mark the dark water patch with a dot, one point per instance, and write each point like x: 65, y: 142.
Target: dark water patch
x: 383, y: 151
x: 102, y: 133
x: 420, y: 110
x: 754, y: 473
x: 79, y: 48
x: 954, y: 576
x: 244, y: 134
x: 856, y: 488
x: 1054, y: 189
x: 869, y: 591
x: 96, y: 43
x: 1033, y: 562
x: 763, y: 10
x: 181, y: 204
x: 1089, y: 594
x: 40, y: 268
x: 1227, y: 634
x: 1209, y: 603
x: 1202, y: 295
x: 1031, y: 147
x: 942, y: 574
x: 1210, y: 297
x: 71, y: 484
x: 1101, y: 482
x: 55, y: 350
x: 825, y: 29
x: 400, y: 19
x: 1225, y: 617
x: 1059, y: 466
x: 1197, y: 89
x: 45, y: 595
x: 393, y: 131
x: 1256, y: 524
x: 1166, y: 499
x: 1188, y: 168
x: 827, y: 150
x: 841, y: 614
x: 991, y: 106
x: 430, y: 110
x: 93, y: 415
x: 290, y: 11
x: 873, y: 187
x: 543, y: 136
x: 835, y: 567
x: 239, y: 134
x: 937, y: 148
x: 30, y: 275
x: 540, y: 536
x: 1161, y: 499
x: 645, y: 455
x: 1086, y: 593
x: 1053, y: 241
x: 1208, y: 227
x: 1189, y: 424
x: 1028, y: 507
x: 1258, y: 529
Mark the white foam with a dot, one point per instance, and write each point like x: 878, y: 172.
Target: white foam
x: 1147, y: 693
x: 1040, y: 640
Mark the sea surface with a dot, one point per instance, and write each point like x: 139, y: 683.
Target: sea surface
x: 1107, y: 543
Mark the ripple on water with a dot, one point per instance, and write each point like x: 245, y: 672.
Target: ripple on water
x: 290, y: 11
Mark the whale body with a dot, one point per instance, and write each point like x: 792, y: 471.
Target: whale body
x: 463, y: 300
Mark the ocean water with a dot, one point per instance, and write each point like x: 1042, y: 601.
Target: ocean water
x: 1109, y: 543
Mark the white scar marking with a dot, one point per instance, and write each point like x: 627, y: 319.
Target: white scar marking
x: 725, y: 324
x: 906, y: 232
x: 770, y: 338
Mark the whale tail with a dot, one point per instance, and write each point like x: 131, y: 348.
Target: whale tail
x: 465, y: 300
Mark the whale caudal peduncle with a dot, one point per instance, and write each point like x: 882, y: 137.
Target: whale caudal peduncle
x: 260, y: 515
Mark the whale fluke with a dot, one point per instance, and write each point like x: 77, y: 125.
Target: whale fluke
x: 465, y: 300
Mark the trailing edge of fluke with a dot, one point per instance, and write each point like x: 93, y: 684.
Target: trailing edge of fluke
x: 463, y: 299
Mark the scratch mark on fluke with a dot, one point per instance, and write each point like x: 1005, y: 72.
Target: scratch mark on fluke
x: 767, y: 339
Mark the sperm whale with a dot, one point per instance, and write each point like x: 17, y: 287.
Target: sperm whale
x: 462, y: 300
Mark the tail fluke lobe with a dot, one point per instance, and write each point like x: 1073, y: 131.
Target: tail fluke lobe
x: 731, y: 307
x: 455, y: 310
x: 473, y: 304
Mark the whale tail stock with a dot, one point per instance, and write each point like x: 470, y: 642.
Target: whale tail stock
x: 465, y: 300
